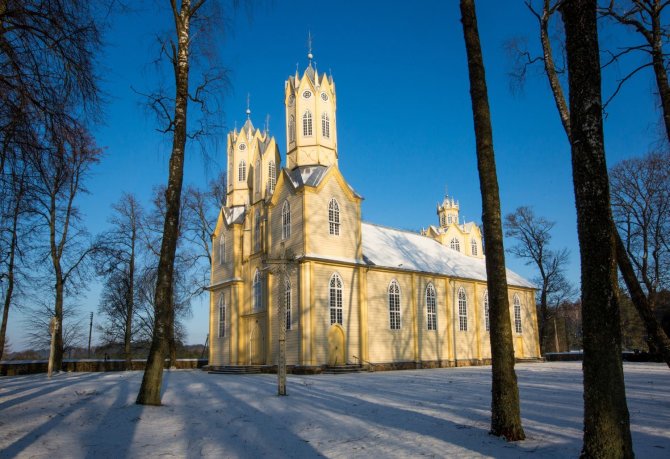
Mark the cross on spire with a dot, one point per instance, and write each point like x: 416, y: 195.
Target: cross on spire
x: 310, y: 56
x: 248, y: 107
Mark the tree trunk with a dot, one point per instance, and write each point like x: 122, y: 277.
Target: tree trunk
x: 659, y: 68
x: 10, y: 271
x: 543, y: 318
x: 505, y: 412
x: 150, y: 390
x: 606, y: 420
x: 130, y: 302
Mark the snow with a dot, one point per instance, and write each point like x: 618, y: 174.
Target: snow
x: 392, y: 248
x: 438, y: 413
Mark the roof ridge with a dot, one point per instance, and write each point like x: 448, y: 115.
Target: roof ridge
x: 416, y: 233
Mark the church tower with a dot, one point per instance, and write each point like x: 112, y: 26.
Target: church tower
x: 448, y: 212
x: 311, y: 125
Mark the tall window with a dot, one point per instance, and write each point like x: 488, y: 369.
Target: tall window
x: 257, y: 231
x: 286, y: 221
x: 242, y: 171
x: 257, y: 178
x: 325, y: 125
x: 473, y: 247
x: 307, y: 124
x: 334, y: 217
x: 291, y: 129
x: 462, y: 310
x: 272, y: 176
x: 335, y: 299
x: 443, y: 220
x: 394, y: 305
x: 257, y: 302
x: 455, y: 245
x: 222, y: 317
x: 287, y: 299
x: 431, y: 309
x: 222, y: 249
x: 517, y: 314
x: 487, y: 323
x: 449, y: 219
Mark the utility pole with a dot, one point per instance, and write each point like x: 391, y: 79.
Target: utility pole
x: 90, y: 330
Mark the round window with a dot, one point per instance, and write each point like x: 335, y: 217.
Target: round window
x: 243, y: 146
x: 291, y: 99
x: 307, y: 94
x: 324, y: 96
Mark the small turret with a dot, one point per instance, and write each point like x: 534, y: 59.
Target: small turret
x: 447, y: 212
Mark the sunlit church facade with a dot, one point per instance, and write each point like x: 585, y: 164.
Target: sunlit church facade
x: 354, y: 292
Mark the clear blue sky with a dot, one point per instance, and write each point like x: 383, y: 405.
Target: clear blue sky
x: 403, y: 105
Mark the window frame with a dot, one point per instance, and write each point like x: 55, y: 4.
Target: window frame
x: 222, y: 249
x: 487, y: 316
x: 334, y: 217
x: 257, y: 291
x: 455, y: 244
x: 474, y: 247
x: 257, y: 231
x: 272, y: 176
x: 285, y: 221
x: 307, y: 128
x: 222, y: 317
x: 462, y: 310
x: 335, y: 296
x: 287, y: 304
x: 325, y: 125
x: 518, y: 328
x: 242, y: 171
x: 431, y: 307
x: 394, y: 298
x: 291, y: 129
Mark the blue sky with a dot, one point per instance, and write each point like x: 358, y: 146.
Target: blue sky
x: 403, y: 104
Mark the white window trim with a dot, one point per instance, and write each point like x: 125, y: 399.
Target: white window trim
x: 286, y: 221
x: 334, y: 221
x: 335, y: 305
x: 518, y: 328
x: 462, y: 310
x: 431, y: 314
x: 222, y: 318
x: 394, y: 309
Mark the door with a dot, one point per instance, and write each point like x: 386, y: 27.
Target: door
x: 336, y: 346
x: 257, y: 346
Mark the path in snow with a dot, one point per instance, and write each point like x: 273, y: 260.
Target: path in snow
x: 435, y: 413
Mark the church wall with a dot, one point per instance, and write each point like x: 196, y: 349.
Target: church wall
x: 319, y: 240
x: 320, y: 310
x: 222, y: 271
x: 219, y: 353
x: 386, y: 345
x: 432, y: 343
x: 293, y: 336
x: 296, y: 240
x: 467, y: 344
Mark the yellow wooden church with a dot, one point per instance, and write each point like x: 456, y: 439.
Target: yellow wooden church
x: 354, y: 292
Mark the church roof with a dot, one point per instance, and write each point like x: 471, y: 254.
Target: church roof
x: 397, y: 249
x: 234, y: 214
x: 307, y: 175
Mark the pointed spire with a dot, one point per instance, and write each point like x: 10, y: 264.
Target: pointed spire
x: 267, y: 123
x: 248, y: 112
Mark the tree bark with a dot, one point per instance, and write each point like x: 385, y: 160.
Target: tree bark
x: 130, y: 300
x: 10, y: 269
x: 505, y: 411
x: 658, y: 60
x: 606, y: 419
x: 150, y: 390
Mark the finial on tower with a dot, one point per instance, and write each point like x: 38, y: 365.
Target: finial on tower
x: 248, y: 108
x: 310, y: 56
x: 267, y: 123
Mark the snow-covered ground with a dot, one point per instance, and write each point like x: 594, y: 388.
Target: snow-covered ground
x: 438, y: 413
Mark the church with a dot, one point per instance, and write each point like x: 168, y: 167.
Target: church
x: 290, y: 252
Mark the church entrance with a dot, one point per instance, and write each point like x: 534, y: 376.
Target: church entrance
x: 336, y: 346
x: 257, y: 346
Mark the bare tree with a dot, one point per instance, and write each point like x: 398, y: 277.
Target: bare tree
x: 659, y: 338
x: 505, y: 411
x: 533, y: 236
x: 606, y: 419
x: 59, y: 178
x: 645, y: 17
x: 37, y: 326
x: 192, y: 22
x: 118, y: 253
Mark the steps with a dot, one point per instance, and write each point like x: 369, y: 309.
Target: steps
x: 342, y: 369
x: 237, y: 369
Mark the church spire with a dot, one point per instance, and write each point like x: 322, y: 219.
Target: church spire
x: 310, y: 56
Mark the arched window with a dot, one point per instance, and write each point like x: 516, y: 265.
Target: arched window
x: 394, y: 305
x: 258, y: 298
x: 222, y: 317
x: 325, y: 125
x: 462, y: 310
x: 272, y: 176
x: 443, y: 221
x: 257, y: 177
x: 487, y: 323
x: 291, y: 129
x: 287, y: 299
x: 335, y: 299
x: 286, y: 221
x: 431, y: 308
x: 455, y: 245
x: 473, y: 247
x: 222, y: 249
x: 517, y: 314
x: 242, y: 171
x: 334, y: 217
x: 449, y: 219
x: 257, y: 231
x: 307, y: 123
